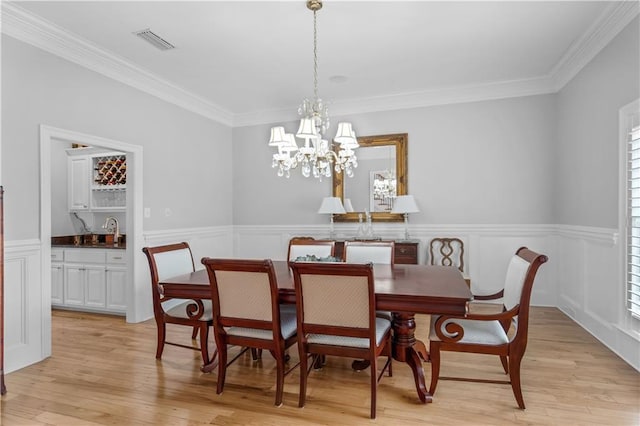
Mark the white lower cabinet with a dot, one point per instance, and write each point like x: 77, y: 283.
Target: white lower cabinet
x: 93, y: 280
x: 57, y: 276
x: 116, y: 275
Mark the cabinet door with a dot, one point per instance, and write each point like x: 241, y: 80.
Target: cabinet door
x: 57, y: 280
x: 116, y: 288
x: 79, y: 183
x: 74, y: 278
x: 95, y: 287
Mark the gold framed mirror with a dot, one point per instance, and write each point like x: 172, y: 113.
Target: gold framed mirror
x: 381, y: 175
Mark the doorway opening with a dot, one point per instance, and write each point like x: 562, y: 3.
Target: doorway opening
x: 138, y: 307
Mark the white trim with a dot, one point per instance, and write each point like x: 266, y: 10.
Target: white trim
x: 426, y: 98
x: 606, y: 236
x: 625, y: 114
x: 136, y: 291
x: 614, y: 18
x: 27, y: 27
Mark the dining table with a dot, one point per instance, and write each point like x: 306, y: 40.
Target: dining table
x: 404, y: 290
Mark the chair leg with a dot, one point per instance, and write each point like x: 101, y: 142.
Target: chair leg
x: 204, y: 341
x: 256, y: 354
x: 162, y: 333
x: 194, y: 333
x: 434, y: 354
x: 514, y: 376
x: 222, y: 366
x: 304, y: 371
x: 279, y: 378
x: 505, y: 363
x: 374, y: 385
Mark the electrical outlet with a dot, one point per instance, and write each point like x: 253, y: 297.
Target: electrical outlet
x: 167, y: 212
x: 147, y: 212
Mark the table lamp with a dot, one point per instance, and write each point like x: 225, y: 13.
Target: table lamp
x: 331, y: 205
x: 405, y: 204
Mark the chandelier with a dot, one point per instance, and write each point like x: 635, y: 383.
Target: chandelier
x: 317, y: 157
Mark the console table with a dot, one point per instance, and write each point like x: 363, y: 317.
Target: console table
x: 406, y: 251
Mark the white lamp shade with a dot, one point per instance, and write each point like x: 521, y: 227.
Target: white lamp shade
x: 307, y: 129
x: 347, y: 205
x: 405, y: 204
x: 331, y: 205
x: 277, y: 136
x: 291, y: 144
x: 346, y: 137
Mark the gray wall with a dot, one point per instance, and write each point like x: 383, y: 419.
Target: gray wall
x: 482, y: 163
x: 186, y: 156
x: 586, y: 186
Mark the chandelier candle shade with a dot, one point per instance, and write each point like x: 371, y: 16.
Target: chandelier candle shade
x: 331, y: 205
x: 317, y: 157
x: 405, y: 204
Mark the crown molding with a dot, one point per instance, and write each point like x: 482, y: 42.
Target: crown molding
x: 24, y: 26
x: 426, y: 98
x: 613, y: 19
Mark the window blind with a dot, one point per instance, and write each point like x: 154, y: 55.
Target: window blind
x: 633, y: 224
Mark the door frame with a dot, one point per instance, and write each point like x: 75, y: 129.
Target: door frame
x: 138, y: 306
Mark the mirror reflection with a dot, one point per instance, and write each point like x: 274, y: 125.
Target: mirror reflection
x: 377, y: 173
x: 379, y: 178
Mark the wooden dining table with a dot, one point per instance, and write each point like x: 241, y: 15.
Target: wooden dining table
x: 405, y: 290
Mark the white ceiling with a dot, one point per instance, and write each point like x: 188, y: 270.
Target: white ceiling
x: 253, y: 61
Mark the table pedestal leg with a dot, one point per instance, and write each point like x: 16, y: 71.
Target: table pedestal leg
x: 407, y: 349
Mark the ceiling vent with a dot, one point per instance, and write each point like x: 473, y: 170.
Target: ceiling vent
x: 154, y: 39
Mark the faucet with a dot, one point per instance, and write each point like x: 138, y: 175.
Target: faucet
x: 116, y: 231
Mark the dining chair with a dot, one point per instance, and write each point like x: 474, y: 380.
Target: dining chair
x: 448, y: 252
x: 489, y: 333
x: 308, y: 246
x: 164, y: 262
x: 336, y: 316
x: 381, y: 252
x: 246, y: 313
x: 369, y: 251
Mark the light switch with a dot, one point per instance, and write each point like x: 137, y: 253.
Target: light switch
x: 167, y: 212
x: 147, y: 212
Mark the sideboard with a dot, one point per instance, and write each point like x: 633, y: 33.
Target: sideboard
x: 406, y: 251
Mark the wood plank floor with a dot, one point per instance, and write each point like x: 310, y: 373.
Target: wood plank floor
x: 103, y: 372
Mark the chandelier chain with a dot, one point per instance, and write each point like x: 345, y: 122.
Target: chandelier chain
x: 315, y: 57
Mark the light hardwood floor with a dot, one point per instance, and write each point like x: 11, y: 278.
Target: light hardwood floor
x: 103, y: 372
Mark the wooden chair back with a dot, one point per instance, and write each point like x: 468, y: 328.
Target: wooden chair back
x: 244, y: 293
x: 164, y: 262
x: 447, y: 252
x: 336, y: 298
x: 381, y: 252
x: 307, y: 246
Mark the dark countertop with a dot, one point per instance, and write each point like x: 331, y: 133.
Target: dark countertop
x: 87, y: 241
x: 90, y: 246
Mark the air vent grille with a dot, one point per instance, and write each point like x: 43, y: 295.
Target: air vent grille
x: 154, y: 39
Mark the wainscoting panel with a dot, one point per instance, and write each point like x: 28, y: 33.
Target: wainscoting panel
x: 582, y: 276
x: 591, y: 286
x: 23, y: 309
